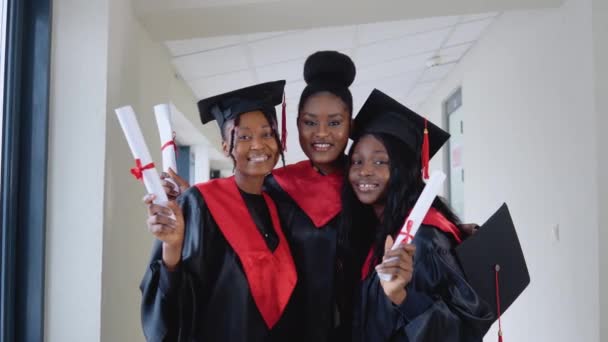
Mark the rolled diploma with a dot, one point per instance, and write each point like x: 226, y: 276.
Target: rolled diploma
x: 418, y: 213
x: 140, y: 151
x: 165, y: 130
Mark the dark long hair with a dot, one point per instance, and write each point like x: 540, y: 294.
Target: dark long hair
x: 360, y: 229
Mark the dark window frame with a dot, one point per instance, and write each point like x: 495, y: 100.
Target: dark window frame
x: 25, y: 115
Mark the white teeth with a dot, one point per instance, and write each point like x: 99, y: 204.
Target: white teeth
x: 258, y: 159
x: 321, y: 147
x: 367, y: 187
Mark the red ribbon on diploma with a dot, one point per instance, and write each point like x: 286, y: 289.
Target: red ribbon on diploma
x: 169, y: 143
x: 138, y: 170
x: 408, y: 232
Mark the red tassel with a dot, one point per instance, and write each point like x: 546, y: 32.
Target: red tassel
x: 425, y: 152
x: 497, y: 269
x: 284, y: 125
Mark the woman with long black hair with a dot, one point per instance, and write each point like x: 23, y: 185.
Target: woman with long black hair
x: 427, y: 297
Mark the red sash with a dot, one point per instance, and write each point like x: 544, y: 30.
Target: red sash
x: 317, y: 195
x: 271, y: 275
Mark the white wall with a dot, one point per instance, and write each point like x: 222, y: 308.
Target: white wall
x: 97, y: 242
x: 77, y: 138
x: 528, y: 102
x: 140, y: 74
x: 600, y: 45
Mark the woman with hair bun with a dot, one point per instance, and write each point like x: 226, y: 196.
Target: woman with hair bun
x: 307, y: 194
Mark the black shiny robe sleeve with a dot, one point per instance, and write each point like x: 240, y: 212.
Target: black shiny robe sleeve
x: 207, y: 298
x: 314, y: 252
x: 440, y: 304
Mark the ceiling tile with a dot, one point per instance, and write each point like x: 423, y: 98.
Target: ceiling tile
x: 211, y: 63
x: 266, y: 35
x: 437, y: 73
x: 190, y: 46
x: 300, y: 44
x: 206, y: 87
x: 290, y: 71
x: 468, y: 32
x: 402, y: 47
x: 475, y: 17
x: 454, y: 53
x: 396, y: 86
x: 394, y: 29
x: 374, y: 72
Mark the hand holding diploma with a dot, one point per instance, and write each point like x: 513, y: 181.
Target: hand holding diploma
x: 417, y: 215
x: 398, y: 264
x: 167, y: 225
x: 173, y: 184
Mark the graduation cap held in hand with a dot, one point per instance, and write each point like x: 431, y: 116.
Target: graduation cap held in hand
x: 494, y: 263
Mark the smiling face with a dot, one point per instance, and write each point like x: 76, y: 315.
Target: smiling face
x: 369, y: 170
x: 255, y: 149
x: 323, y: 127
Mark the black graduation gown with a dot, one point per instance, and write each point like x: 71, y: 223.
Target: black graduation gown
x: 440, y: 304
x: 309, y: 205
x: 210, y: 296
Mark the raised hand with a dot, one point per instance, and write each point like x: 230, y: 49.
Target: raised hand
x: 167, y: 225
x: 170, y: 180
x: 399, y: 265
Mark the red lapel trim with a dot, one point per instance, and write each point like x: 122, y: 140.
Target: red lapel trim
x: 271, y: 275
x: 317, y: 195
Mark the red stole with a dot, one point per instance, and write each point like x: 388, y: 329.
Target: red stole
x: 271, y: 275
x: 433, y: 218
x: 317, y: 195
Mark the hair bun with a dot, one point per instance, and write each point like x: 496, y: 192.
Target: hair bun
x: 329, y: 67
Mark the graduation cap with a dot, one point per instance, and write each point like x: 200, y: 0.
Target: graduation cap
x: 228, y: 106
x: 383, y: 114
x: 494, y: 264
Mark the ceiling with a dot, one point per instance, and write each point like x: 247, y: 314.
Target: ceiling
x: 186, y: 19
x: 391, y: 56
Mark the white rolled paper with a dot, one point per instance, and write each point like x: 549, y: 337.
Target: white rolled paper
x: 140, y: 152
x: 168, y: 148
x: 418, y: 213
x: 165, y: 130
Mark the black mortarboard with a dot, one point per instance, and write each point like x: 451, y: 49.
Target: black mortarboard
x: 383, y: 114
x: 227, y: 106
x: 494, y: 263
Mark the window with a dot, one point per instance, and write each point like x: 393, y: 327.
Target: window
x: 455, y: 168
x: 26, y: 35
